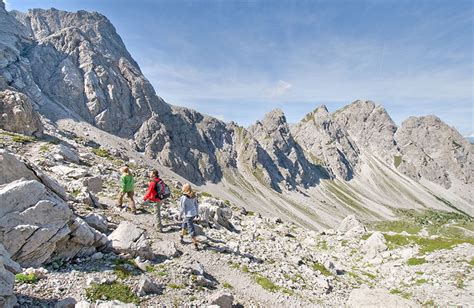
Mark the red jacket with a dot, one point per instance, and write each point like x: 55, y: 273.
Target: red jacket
x: 150, y: 193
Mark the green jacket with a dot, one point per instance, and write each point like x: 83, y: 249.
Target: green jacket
x: 127, y: 182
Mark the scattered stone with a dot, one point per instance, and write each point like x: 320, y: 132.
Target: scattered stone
x: 130, y: 239
x: 221, y: 299
x: 66, y: 303
x: 97, y: 222
x: 362, y: 298
x: 146, y: 286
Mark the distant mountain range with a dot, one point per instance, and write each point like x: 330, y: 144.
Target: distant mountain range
x: 355, y: 160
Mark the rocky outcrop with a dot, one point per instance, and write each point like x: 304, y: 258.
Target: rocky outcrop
x: 283, y: 160
x: 36, y: 224
x: 370, y: 126
x: 432, y: 150
x: 81, y: 62
x: 17, y: 114
x: 327, y: 143
x: 8, y: 268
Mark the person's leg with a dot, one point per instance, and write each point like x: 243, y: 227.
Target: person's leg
x: 192, y: 231
x: 158, y: 216
x: 130, y: 196
x: 120, y: 198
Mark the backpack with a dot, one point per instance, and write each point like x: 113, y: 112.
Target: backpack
x: 162, y: 191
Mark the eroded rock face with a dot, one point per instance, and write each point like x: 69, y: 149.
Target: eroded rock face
x: 432, y: 150
x: 327, y: 143
x: 284, y: 160
x: 81, y: 62
x: 18, y: 115
x: 370, y: 126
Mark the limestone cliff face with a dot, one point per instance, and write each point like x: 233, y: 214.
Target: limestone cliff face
x: 432, y: 150
x: 370, y: 126
x: 328, y: 143
x: 79, y: 61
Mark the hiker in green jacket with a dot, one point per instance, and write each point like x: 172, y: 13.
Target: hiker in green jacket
x: 127, y: 186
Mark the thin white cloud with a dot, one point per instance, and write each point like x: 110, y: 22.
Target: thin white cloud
x: 281, y: 88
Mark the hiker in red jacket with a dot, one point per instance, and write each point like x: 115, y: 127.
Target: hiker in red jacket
x: 151, y: 197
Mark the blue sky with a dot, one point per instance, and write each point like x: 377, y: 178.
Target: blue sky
x: 237, y: 60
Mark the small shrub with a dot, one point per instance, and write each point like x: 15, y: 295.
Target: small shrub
x: 227, y: 285
x: 397, y: 160
x: 112, y: 291
x: 26, y: 278
x: 121, y: 272
x: 319, y: 267
x: 175, y: 286
x: 150, y: 269
x: 205, y: 194
x: 416, y: 261
x: 245, y: 269
x: 370, y: 275
x: 103, y: 153
x: 44, y: 148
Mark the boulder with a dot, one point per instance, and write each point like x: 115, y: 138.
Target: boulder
x: 7, y: 278
x: 67, y: 153
x: 351, y: 225
x: 18, y: 115
x: 97, y: 222
x: 376, y: 243
x: 66, y: 303
x: 146, y: 286
x: 166, y: 248
x: 212, y: 215
x: 93, y: 183
x: 367, y: 298
x: 130, y: 239
x: 221, y: 299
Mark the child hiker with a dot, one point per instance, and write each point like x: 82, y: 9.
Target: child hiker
x: 127, y: 186
x: 151, y: 197
x: 189, y: 211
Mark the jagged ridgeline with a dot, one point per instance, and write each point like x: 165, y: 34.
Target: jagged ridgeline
x: 68, y: 67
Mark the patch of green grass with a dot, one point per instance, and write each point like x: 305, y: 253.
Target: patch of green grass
x: 370, y: 275
x: 288, y: 291
x: 419, y: 273
x: 319, y: 267
x: 471, y: 263
x: 103, y: 153
x: 397, y: 226
x: 26, y: 278
x: 44, y: 148
x: 426, y: 244
x: 421, y: 281
x: 75, y: 192
x: 245, y: 269
x: 366, y: 236
x: 23, y: 139
x: 112, y: 291
x: 250, y: 213
x: 266, y: 283
x: 323, y: 245
x: 397, y: 160
x: 150, y: 269
x: 416, y: 261
x: 175, y: 286
x: 121, y: 272
x: 227, y: 285
x: 401, y: 293
x: 459, y: 282
x: 205, y: 194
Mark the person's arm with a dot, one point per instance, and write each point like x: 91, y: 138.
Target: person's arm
x: 181, y: 212
x: 123, y: 183
x: 196, y: 204
x: 149, y: 192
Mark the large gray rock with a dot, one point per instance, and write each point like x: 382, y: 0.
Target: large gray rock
x: 35, y: 223
x: 130, y: 239
x: 7, y: 278
x: 352, y: 225
x: 18, y: 115
x: 146, y: 286
x: 221, y: 299
x: 374, y: 245
x: 13, y: 168
x: 365, y: 298
x: 97, y: 221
